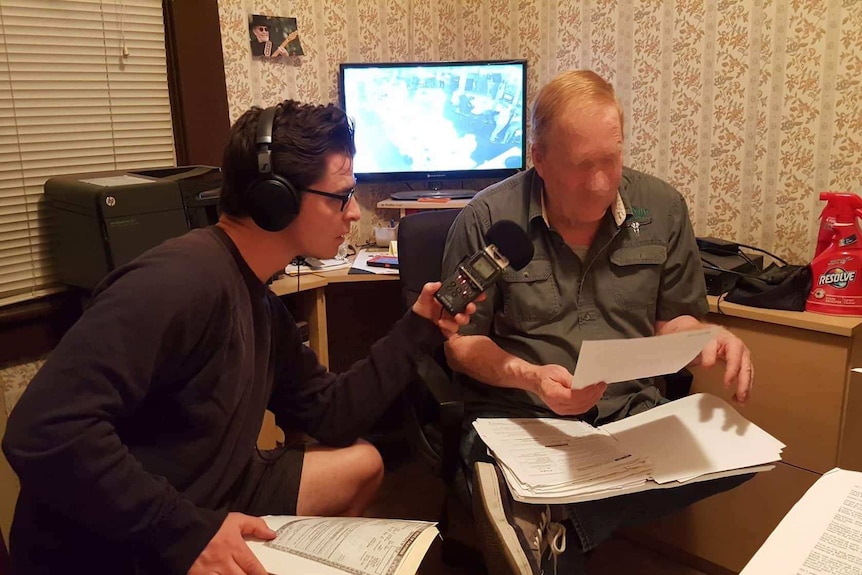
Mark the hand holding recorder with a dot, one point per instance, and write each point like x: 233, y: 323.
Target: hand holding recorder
x: 508, y: 245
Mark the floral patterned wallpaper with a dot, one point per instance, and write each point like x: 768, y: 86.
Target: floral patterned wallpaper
x: 750, y: 108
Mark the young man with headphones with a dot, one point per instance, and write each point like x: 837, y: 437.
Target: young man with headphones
x: 135, y: 443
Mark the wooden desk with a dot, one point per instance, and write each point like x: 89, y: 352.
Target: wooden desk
x: 405, y: 207
x: 310, y: 300
x: 342, y: 276
x: 307, y: 301
x: 803, y: 395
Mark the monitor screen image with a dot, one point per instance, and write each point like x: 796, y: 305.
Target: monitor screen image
x: 436, y: 120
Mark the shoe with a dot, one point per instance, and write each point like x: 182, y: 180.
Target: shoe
x: 514, y: 536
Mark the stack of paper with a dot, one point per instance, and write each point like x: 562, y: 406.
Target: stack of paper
x: 696, y: 438
x: 559, y: 458
x: 315, y: 265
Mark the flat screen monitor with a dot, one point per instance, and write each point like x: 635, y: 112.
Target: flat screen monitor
x: 436, y: 120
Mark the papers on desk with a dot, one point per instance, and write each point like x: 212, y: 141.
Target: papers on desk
x: 361, y: 263
x: 313, y: 265
x: 696, y: 438
x: 820, y: 535
x: 599, y: 360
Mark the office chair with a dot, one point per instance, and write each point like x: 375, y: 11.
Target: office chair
x: 435, y: 409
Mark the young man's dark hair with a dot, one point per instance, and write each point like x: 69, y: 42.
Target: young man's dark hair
x: 304, y: 135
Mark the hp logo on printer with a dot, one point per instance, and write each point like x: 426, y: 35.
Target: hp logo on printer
x: 110, y: 201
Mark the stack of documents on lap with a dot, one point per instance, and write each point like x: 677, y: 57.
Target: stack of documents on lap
x: 820, y: 535
x: 339, y: 545
x: 543, y: 457
x: 697, y: 438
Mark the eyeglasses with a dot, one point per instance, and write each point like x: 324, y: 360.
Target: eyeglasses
x: 343, y: 198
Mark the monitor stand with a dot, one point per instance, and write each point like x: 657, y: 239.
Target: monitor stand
x: 452, y: 194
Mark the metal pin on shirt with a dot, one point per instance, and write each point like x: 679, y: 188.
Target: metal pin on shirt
x: 636, y: 228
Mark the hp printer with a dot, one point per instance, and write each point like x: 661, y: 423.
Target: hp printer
x: 106, y: 219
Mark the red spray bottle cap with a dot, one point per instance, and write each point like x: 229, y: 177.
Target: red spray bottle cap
x: 842, y: 206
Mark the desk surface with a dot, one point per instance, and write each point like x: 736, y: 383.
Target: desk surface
x: 429, y: 204
x: 343, y: 276
x: 287, y: 285
x: 843, y: 325
x: 846, y: 326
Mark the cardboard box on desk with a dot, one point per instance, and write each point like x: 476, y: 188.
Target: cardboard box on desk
x: 850, y: 444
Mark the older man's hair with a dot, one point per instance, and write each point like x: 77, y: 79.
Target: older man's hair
x: 565, y: 91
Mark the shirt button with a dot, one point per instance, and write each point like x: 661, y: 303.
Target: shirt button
x: 586, y: 316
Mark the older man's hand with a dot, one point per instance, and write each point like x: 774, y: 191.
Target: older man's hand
x: 738, y: 369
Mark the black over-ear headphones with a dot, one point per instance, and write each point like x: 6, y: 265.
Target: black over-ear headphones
x: 272, y: 201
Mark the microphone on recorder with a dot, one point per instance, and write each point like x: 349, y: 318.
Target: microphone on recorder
x: 508, y: 245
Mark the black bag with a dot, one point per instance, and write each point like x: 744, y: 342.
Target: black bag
x: 777, y: 287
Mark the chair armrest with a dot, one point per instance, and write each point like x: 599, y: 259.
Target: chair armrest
x: 678, y: 385
x: 447, y: 395
x: 438, y: 382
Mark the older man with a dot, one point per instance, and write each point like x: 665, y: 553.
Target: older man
x: 615, y: 257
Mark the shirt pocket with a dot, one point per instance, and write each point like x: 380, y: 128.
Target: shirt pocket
x: 530, y: 295
x: 636, y: 272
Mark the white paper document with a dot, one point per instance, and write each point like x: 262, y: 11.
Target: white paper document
x: 820, y: 535
x: 614, y: 360
x: 693, y: 436
x: 314, y: 265
x: 339, y: 545
x: 696, y: 438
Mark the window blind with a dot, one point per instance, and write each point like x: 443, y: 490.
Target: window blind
x: 83, y: 88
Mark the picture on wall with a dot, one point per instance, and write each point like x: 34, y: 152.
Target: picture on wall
x: 273, y: 36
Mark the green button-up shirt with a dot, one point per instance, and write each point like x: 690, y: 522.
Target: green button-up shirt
x: 643, y: 266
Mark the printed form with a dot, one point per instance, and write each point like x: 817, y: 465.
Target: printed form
x: 338, y: 545
x: 820, y: 535
x: 558, y: 456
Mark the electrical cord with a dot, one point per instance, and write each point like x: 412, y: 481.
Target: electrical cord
x: 770, y: 254
x: 748, y: 260
x: 708, y: 264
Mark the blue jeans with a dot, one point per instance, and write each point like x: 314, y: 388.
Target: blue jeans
x: 595, y: 521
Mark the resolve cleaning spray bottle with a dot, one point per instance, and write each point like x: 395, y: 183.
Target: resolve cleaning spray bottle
x: 843, y: 209
x: 836, y: 269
